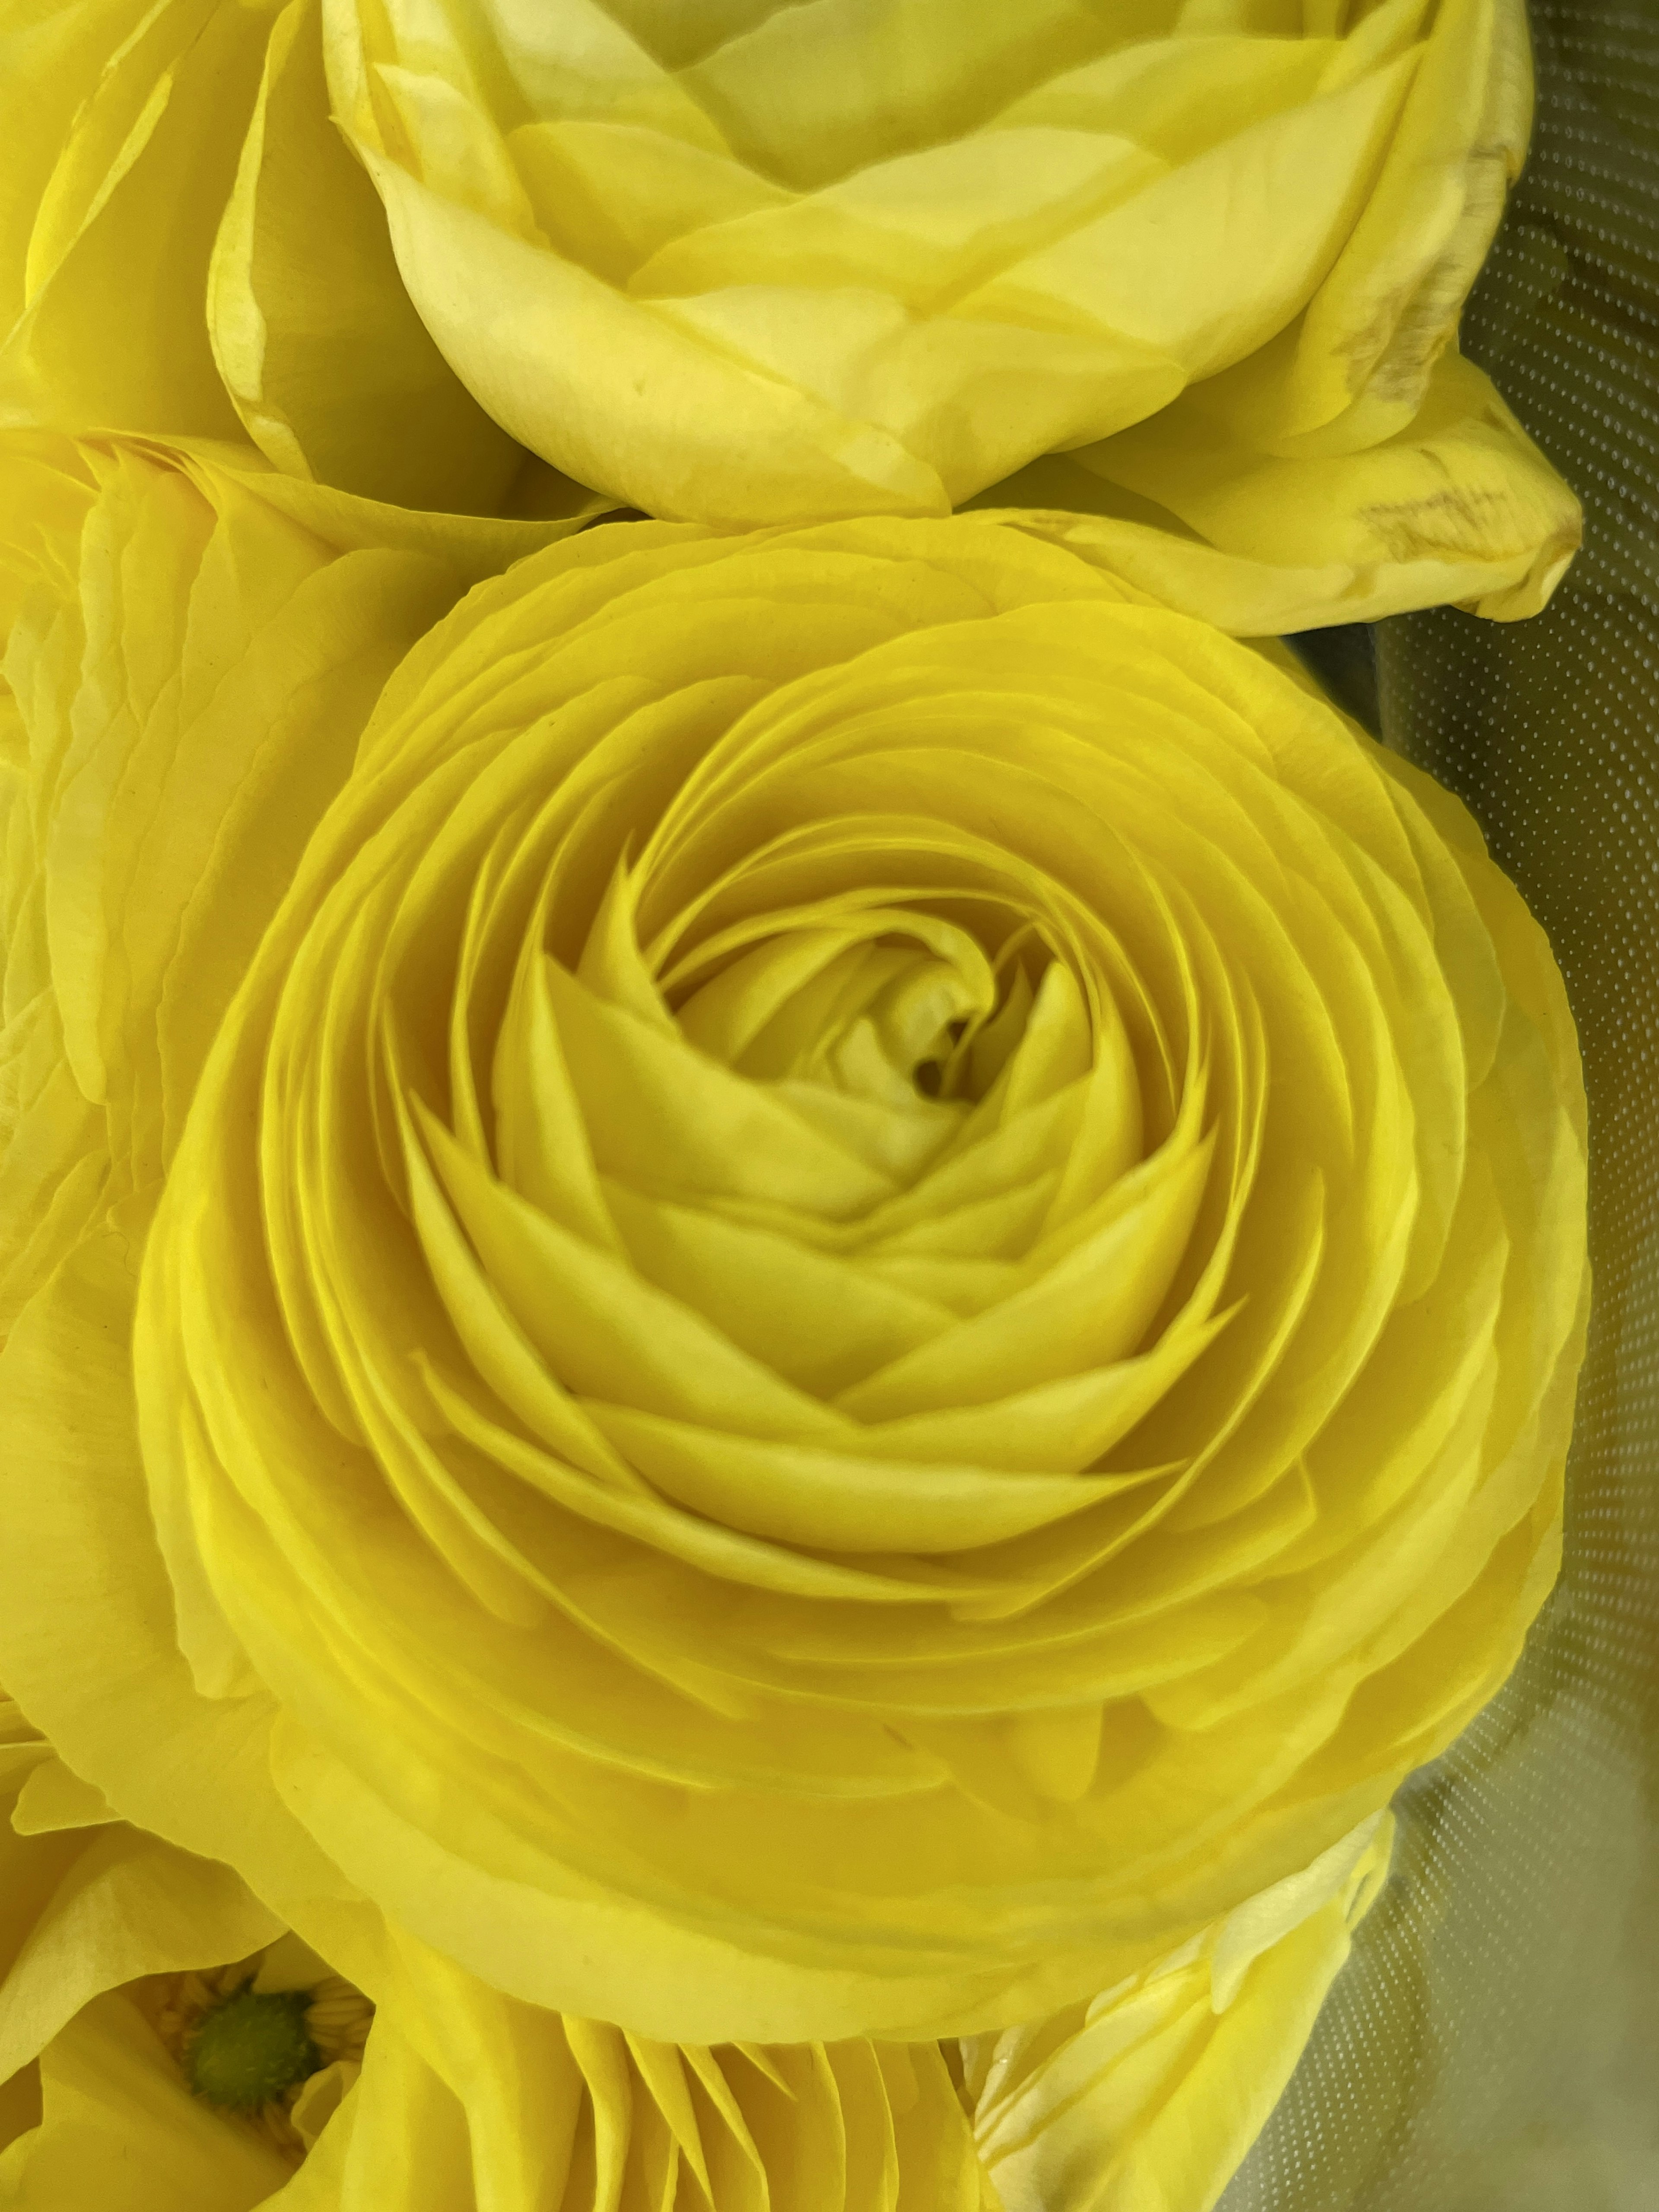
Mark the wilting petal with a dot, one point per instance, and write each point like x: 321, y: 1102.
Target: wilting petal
x: 1459, y: 504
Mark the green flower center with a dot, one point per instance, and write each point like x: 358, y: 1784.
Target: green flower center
x: 251, y: 2048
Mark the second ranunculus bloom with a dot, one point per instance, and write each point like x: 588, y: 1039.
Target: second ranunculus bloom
x: 846, y: 1275
x: 1179, y: 281
x: 1177, y: 285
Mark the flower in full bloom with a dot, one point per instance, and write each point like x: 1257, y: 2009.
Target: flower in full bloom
x: 1182, y: 280
x: 163, y: 2040
x: 830, y: 1286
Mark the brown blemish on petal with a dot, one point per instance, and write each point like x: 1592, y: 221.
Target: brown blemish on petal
x: 1456, y: 519
x: 1389, y: 356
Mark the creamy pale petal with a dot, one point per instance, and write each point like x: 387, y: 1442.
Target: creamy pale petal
x: 1152, y: 2093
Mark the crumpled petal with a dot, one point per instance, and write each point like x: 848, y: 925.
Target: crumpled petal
x: 1457, y: 507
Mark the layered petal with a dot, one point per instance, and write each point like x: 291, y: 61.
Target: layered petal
x: 166, y: 2044
x: 1179, y: 280
x: 868, y: 1296
x: 187, y: 249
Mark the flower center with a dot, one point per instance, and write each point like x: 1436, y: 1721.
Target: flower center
x: 273, y: 2041
x: 252, y: 2048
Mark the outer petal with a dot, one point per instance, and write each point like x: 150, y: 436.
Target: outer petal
x: 130, y: 217
x: 527, y: 326
x: 187, y: 249
x: 1179, y: 277
x: 59, y: 52
x: 1459, y: 506
x: 324, y: 357
x: 465, y: 2099
x: 204, y: 677
x: 1150, y: 2096
x: 1370, y: 337
x: 224, y: 630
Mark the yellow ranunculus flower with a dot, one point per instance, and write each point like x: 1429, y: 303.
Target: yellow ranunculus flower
x: 777, y: 261
x: 166, y: 2046
x: 187, y: 248
x: 869, y: 1265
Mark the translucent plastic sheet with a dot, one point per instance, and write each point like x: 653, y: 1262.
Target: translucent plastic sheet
x: 1493, y: 2046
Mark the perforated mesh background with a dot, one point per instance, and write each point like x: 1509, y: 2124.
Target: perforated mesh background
x: 1493, y: 2046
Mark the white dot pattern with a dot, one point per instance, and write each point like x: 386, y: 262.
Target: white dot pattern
x: 1493, y: 2044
